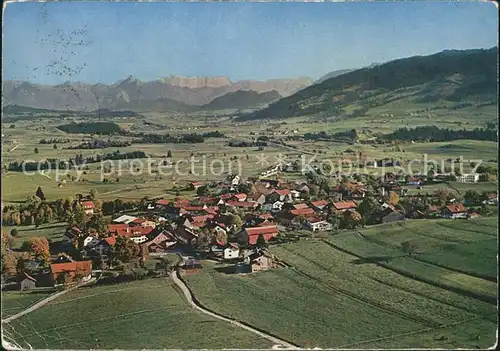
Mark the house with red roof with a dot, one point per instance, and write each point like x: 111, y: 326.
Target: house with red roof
x: 161, y: 242
x: 192, y: 208
x: 88, y: 207
x: 305, y: 212
x: 300, y: 206
x: 250, y: 235
x: 142, y: 222
x: 242, y: 204
x: 454, y: 211
x: 279, y: 195
x: 343, y: 206
x: 414, y: 181
x: 195, y: 185
x: 136, y: 234
x: 207, y: 200
x: 212, y: 210
x: 67, y: 272
x: 240, y: 197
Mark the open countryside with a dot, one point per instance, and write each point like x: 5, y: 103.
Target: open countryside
x: 356, y: 209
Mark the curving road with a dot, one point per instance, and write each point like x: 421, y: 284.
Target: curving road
x: 278, y: 343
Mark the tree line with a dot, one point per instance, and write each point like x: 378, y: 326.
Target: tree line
x: 100, y: 144
x: 435, y: 134
x: 54, y: 141
x: 144, y: 138
x: 54, y: 163
x: 105, y: 128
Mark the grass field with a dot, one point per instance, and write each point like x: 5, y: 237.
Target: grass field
x: 467, y: 246
x: 148, y: 314
x: 16, y: 301
x: 329, y: 298
x: 52, y: 231
x: 19, y: 144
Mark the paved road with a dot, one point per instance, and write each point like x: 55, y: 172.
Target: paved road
x: 189, y: 298
x: 44, y: 302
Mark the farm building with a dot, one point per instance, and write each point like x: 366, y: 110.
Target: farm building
x: 316, y: 224
x: 69, y: 271
x: 27, y: 282
x: 393, y: 217
x: 454, y: 211
x: 468, y: 178
x: 88, y: 207
x: 250, y: 235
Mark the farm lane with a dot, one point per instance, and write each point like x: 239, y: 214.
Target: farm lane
x: 189, y: 297
x: 45, y: 301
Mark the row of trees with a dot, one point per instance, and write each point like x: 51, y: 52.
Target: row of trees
x: 434, y: 134
x: 142, y: 138
x: 54, y: 163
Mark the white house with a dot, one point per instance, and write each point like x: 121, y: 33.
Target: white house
x: 454, y: 211
x: 468, y: 178
x: 125, y: 219
x: 492, y: 199
x: 318, y: 225
x: 275, y: 206
x: 139, y: 239
x: 90, y: 241
x: 231, y: 252
x: 235, y: 180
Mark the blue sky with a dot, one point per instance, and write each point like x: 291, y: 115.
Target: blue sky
x: 43, y: 42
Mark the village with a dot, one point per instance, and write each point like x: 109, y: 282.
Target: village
x: 231, y: 222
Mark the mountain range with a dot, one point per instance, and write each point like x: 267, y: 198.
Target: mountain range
x: 176, y: 93
x: 461, y: 76
x: 451, y: 75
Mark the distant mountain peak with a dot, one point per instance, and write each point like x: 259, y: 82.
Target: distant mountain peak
x: 186, y: 90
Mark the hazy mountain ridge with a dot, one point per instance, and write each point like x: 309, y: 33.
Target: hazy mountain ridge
x: 452, y: 75
x: 340, y: 72
x: 195, y: 91
x: 242, y: 99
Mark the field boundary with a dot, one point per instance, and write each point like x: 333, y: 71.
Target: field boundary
x: 360, y: 299
x: 456, y: 270
x: 485, y: 298
x: 409, y: 333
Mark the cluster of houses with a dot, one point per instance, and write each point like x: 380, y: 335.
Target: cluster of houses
x: 268, y: 208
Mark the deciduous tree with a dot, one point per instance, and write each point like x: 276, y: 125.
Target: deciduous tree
x: 393, y: 198
x: 38, y: 247
x: 9, y: 263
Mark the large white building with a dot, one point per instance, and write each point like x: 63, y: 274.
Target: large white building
x: 468, y: 178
